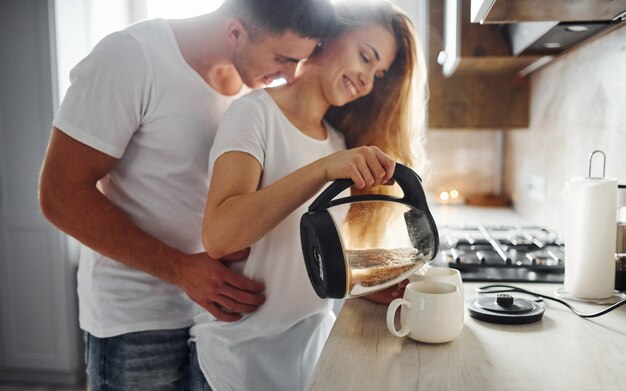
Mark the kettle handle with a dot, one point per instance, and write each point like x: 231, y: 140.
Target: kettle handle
x: 407, y: 179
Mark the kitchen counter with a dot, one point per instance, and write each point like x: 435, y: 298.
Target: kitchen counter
x: 560, y: 352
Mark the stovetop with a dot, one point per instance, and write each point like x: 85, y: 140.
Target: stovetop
x: 513, y: 253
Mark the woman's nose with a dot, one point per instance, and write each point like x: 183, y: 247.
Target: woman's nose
x: 366, y: 80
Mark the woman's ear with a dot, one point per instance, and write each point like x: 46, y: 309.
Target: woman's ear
x: 236, y: 32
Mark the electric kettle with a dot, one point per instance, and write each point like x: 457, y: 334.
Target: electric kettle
x: 341, y: 268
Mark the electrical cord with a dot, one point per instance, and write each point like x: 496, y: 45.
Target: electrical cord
x: 498, y: 288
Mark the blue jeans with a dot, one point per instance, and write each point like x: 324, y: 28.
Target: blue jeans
x: 148, y: 360
x: 197, y: 380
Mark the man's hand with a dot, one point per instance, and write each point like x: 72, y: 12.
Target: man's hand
x: 224, y: 293
x: 386, y: 296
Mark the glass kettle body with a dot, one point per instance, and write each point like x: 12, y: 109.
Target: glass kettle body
x: 396, y: 236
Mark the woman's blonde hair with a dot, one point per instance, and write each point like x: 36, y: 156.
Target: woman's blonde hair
x: 391, y: 117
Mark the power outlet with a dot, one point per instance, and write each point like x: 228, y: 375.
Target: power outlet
x: 538, y: 188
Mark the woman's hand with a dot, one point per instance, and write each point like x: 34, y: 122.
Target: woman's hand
x: 366, y: 166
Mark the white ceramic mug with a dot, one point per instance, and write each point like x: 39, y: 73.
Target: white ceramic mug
x: 441, y: 274
x: 431, y: 312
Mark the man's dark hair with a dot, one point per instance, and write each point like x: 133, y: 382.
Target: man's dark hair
x: 307, y: 18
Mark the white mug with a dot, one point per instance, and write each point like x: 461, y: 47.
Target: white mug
x: 441, y: 274
x: 432, y: 312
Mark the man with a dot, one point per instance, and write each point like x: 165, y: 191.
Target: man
x: 126, y: 174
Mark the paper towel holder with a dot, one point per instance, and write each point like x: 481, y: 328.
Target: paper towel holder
x: 603, y: 164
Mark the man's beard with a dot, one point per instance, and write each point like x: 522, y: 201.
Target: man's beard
x: 242, y: 65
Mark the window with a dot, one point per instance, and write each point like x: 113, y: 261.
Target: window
x: 80, y: 24
x: 180, y: 8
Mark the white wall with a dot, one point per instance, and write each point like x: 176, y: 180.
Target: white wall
x: 578, y: 104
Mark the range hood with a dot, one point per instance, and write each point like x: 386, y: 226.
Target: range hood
x: 547, y: 27
x: 549, y: 38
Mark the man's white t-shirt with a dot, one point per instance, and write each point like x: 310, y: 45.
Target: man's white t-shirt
x: 134, y: 97
x: 277, y: 346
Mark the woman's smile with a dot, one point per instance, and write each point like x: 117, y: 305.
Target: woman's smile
x: 350, y: 87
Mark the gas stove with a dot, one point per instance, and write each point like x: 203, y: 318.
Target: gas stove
x: 512, y: 253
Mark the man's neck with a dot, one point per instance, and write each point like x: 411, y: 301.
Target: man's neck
x: 202, y: 42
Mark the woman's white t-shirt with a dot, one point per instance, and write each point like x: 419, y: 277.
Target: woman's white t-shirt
x: 276, y: 347
x: 134, y: 97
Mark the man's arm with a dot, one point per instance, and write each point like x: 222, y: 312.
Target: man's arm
x: 70, y: 200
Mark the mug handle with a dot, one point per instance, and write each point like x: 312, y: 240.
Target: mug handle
x: 391, y: 315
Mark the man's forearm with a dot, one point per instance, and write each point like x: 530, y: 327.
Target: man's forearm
x: 87, y: 215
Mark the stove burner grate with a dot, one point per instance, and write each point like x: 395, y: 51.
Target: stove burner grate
x: 511, y: 253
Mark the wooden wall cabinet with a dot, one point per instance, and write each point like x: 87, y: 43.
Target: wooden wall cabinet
x: 474, y: 69
x: 473, y: 78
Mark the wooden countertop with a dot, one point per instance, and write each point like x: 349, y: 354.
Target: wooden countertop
x: 560, y: 352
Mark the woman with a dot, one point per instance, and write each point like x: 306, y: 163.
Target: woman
x: 274, y: 151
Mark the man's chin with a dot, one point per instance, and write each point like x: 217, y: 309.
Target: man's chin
x: 266, y: 81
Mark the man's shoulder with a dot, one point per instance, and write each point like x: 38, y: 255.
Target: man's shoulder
x: 143, y: 35
x: 151, y: 39
x: 145, y: 28
x: 130, y: 39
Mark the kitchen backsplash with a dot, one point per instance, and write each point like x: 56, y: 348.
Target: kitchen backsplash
x: 467, y: 161
x: 578, y: 105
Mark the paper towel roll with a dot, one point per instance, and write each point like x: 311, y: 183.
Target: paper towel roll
x: 590, y: 231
